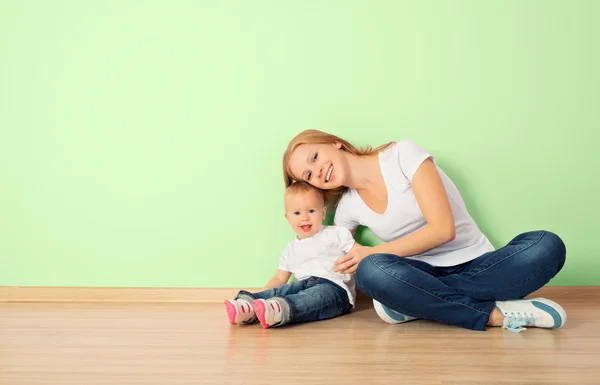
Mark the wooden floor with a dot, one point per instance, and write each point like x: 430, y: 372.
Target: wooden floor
x: 120, y: 343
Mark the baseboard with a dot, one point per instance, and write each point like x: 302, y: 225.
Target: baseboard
x: 114, y: 294
x: 199, y: 295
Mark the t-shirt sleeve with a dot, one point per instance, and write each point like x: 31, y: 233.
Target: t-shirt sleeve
x: 283, y: 260
x: 343, y: 214
x: 410, y: 157
x: 345, y: 239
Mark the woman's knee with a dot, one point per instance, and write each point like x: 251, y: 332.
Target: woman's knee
x: 543, y: 248
x: 371, y: 273
x: 366, y: 272
x: 553, y: 248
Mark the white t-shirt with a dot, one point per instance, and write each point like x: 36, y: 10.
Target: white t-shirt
x: 398, y: 164
x: 315, y: 256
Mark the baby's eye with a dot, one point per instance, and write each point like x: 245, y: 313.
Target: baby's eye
x: 297, y: 213
x: 312, y: 211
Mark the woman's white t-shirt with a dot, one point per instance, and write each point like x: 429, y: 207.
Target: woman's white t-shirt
x: 398, y: 164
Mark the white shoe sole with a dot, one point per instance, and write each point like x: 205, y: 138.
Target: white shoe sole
x: 384, y: 315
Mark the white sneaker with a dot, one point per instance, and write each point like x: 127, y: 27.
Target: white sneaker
x: 239, y: 311
x: 390, y: 316
x: 535, y: 312
x: 268, y: 312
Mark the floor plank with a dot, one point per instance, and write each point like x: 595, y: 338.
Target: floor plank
x: 183, y: 343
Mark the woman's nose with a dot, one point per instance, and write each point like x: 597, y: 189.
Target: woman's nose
x: 319, y: 172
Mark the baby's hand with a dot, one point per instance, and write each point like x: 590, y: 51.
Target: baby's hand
x: 348, y: 263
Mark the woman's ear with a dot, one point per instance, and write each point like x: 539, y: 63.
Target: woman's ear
x: 338, y: 145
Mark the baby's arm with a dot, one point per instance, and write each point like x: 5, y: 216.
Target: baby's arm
x: 280, y: 278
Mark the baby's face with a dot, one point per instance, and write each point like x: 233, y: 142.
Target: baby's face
x: 305, y: 212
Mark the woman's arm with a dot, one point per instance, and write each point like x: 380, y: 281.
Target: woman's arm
x: 434, y: 204
x: 280, y: 278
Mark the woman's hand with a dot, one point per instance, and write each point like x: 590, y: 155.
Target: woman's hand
x: 349, y: 262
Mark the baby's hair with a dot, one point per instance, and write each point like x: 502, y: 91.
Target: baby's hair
x: 302, y: 188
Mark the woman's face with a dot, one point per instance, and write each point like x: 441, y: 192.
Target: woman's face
x: 322, y: 165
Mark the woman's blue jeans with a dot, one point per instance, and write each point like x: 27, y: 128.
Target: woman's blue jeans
x: 463, y: 295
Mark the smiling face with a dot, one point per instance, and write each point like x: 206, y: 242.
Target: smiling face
x: 305, y: 212
x: 322, y: 165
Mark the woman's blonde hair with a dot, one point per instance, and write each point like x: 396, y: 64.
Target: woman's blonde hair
x: 319, y: 137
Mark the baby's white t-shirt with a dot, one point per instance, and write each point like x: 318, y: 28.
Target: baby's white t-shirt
x: 398, y: 164
x: 315, y: 256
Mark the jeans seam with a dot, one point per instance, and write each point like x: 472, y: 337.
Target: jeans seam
x: 530, y: 278
x: 534, y: 276
x: 508, y: 256
x: 425, y: 291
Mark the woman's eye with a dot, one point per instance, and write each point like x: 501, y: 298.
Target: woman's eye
x: 308, y: 176
x: 315, y: 156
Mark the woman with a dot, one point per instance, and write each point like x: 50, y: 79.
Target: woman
x: 435, y: 262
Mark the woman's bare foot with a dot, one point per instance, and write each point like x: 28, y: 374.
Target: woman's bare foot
x: 496, y: 318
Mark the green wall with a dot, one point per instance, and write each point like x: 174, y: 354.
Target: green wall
x: 140, y: 141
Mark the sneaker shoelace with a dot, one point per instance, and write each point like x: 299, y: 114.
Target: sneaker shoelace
x: 515, y: 322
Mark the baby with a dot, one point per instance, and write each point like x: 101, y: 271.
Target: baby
x: 318, y: 292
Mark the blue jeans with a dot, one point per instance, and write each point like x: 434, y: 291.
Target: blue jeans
x: 463, y: 295
x: 310, y: 299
